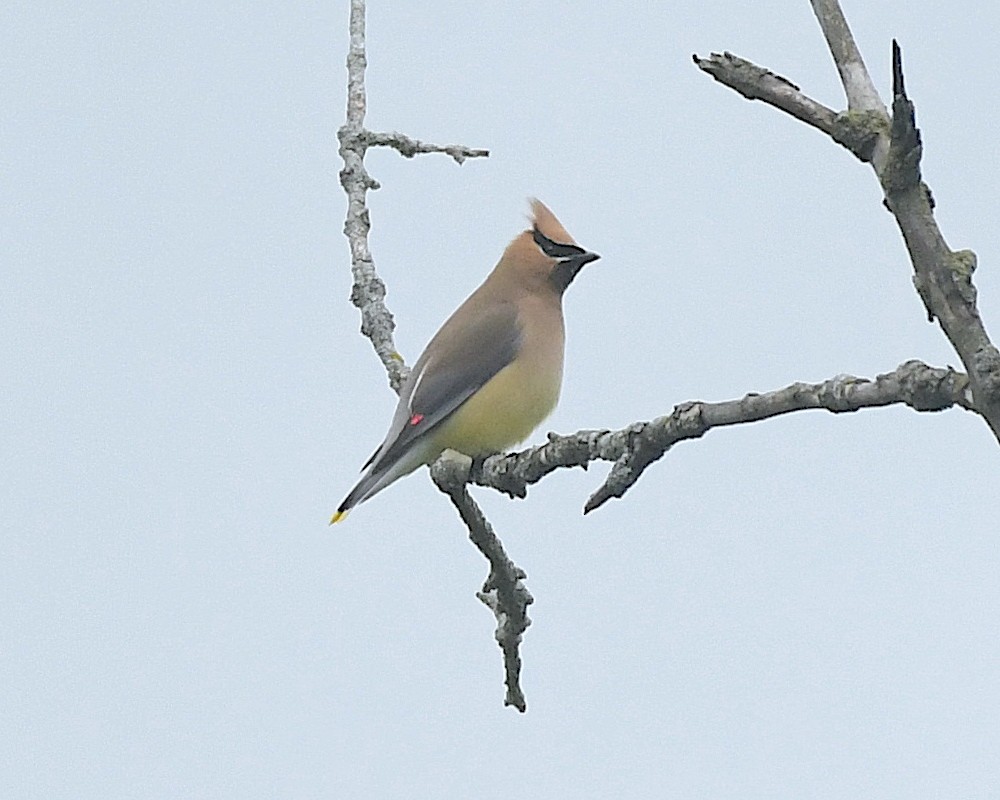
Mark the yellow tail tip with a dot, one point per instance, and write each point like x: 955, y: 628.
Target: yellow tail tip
x: 338, y: 516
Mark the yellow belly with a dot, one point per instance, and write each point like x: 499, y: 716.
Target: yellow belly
x: 503, y: 413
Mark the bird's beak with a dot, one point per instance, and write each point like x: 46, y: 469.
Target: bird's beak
x: 566, y: 269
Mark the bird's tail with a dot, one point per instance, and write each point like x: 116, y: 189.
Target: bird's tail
x: 377, y: 477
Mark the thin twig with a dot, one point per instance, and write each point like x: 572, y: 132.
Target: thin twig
x: 408, y: 147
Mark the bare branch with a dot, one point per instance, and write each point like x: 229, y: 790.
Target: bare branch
x: 634, y: 448
x: 504, y: 592
x: 913, y: 384
x: 368, y: 290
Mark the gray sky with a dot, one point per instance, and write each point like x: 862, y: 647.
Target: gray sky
x: 799, y: 608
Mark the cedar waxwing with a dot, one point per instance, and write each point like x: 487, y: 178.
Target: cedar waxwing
x: 493, y: 372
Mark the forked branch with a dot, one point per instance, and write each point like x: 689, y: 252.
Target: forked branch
x: 942, y: 276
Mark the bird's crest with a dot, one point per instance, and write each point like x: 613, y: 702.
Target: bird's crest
x: 546, y: 223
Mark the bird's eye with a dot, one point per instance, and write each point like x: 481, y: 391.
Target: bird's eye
x: 554, y: 249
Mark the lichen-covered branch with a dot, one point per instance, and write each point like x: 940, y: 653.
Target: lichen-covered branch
x: 504, y: 592
x: 368, y: 289
x: 634, y: 448
x: 942, y: 276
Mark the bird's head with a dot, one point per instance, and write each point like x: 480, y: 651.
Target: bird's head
x: 545, y: 256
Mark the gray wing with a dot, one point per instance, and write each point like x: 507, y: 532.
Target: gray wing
x: 450, y: 371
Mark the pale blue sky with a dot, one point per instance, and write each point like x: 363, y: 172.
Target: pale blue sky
x: 800, y: 608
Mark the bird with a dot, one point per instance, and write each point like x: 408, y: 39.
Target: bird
x: 493, y: 371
